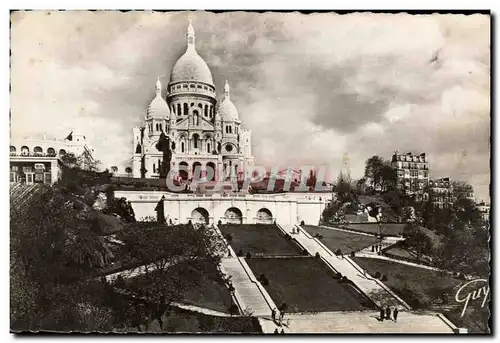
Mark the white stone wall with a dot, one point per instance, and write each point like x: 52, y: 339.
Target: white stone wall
x: 289, y: 208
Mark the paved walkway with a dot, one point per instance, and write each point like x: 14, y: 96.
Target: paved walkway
x: 380, y: 294
x: 368, y: 322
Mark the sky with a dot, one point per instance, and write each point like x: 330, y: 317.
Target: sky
x: 318, y: 89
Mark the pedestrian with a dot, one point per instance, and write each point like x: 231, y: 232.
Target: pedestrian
x: 388, y: 313
x: 273, y: 314
x: 396, y: 314
x: 381, y: 314
x: 282, y: 331
x: 276, y: 331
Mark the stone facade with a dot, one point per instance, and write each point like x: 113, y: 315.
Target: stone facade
x: 204, y: 133
x: 36, y: 160
x: 289, y: 208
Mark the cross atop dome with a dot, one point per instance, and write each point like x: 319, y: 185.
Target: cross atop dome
x: 158, y: 86
x: 190, y: 34
x: 226, y: 90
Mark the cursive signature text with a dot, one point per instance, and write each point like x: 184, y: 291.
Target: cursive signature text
x: 463, y: 297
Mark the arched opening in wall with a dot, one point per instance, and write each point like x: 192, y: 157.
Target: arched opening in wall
x: 51, y: 152
x: 206, y: 111
x: 186, y: 109
x: 38, y: 150
x: 233, y: 215
x: 211, y: 171
x: 62, y: 152
x: 264, y: 216
x: 179, y: 109
x: 183, y: 170
x: 196, y: 138
x: 12, y: 149
x: 196, y: 172
x: 25, y: 150
x: 183, y: 147
x: 200, y: 216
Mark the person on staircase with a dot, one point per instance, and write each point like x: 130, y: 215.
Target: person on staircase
x: 396, y: 314
x: 388, y: 312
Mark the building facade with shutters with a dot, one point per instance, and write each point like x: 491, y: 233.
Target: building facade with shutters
x: 412, y: 174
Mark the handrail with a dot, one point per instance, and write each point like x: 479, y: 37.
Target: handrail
x: 253, y: 279
x: 235, y: 294
x: 380, y: 283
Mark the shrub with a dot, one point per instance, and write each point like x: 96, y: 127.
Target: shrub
x: 461, y: 276
x: 317, y: 255
x: 344, y: 279
x: 353, y: 254
x: 239, y: 253
x: 263, y: 280
x: 377, y: 275
x: 248, y: 255
x: 219, y: 222
x: 305, y: 253
x: 229, y: 237
x: 287, y: 236
x: 339, y: 275
x: 234, y: 310
x: 302, y: 222
x: 384, y: 278
x: 338, y: 252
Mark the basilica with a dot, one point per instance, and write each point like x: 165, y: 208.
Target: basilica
x: 204, y: 132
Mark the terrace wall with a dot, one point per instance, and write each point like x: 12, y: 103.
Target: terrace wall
x: 288, y: 208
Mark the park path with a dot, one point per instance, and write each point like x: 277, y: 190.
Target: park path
x: 380, y: 294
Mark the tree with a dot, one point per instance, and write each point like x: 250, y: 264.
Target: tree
x: 373, y: 170
x: 55, y: 247
x: 114, y: 169
x: 179, y: 257
x: 418, y: 240
x: 128, y: 170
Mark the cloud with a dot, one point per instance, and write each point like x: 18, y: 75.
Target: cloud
x: 312, y: 88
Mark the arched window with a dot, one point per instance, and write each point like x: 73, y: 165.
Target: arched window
x: 182, y: 147
x: 62, y: 152
x: 38, y: 150
x: 186, y: 109
x: 51, y: 151
x: 25, y: 150
x: 12, y: 149
x: 173, y: 108
x: 154, y: 168
x: 200, y: 106
x: 206, y: 111
x: 195, y: 141
x: 179, y: 109
x: 208, y: 147
x: 161, y: 127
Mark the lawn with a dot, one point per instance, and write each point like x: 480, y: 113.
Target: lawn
x: 210, y: 292
x: 345, y: 241
x: 423, y: 288
x: 259, y: 239
x: 305, y: 284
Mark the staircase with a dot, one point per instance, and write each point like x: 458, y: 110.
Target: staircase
x: 380, y: 294
x: 250, y: 296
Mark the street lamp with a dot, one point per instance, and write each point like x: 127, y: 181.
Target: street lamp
x: 379, y: 219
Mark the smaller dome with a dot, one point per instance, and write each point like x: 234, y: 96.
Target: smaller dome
x: 226, y: 109
x: 158, y: 106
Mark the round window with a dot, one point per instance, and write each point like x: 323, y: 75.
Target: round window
x: 229, y: 147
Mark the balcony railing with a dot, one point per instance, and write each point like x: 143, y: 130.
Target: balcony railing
x: 33, y: 154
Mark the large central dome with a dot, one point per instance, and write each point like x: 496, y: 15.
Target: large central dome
x: 190, y: 66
